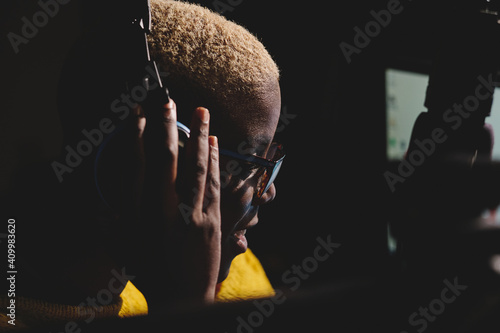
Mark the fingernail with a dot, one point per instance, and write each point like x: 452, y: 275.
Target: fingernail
x: 204, y: 115
x: 213, y: 142
x: 167, y: 111
x: 170, y: 104
x: 138, y: 110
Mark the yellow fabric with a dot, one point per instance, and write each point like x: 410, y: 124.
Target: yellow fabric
x: 246, y: 280
x: 133, y: 302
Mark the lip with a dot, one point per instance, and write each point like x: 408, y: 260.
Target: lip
x: 238, y: 236
x: 240, y: 241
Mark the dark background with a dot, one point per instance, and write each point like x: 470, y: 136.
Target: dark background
x: 332, y: 180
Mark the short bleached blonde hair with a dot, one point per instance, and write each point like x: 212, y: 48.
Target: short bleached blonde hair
x: 201, y: 49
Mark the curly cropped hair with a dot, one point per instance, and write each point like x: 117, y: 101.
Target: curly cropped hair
x: 205, y: 51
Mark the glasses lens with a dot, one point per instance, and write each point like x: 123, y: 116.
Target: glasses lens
x: 273, y: 175
x: 275, y: 153
x: 263, y: 183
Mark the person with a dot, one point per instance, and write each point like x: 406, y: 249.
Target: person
x: 166, y: 226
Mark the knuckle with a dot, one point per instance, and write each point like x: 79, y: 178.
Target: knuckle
x: 206, y: 226
x: 200, y: 168
x: 214, y: 184
x: 171, y: 149
x: 167, y: 120
x: 201, y: 132
x: 197, y: 219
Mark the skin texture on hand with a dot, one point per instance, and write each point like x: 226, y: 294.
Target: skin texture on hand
x: 188, y: 245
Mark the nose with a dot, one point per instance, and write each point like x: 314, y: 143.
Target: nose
x: 267, y: 196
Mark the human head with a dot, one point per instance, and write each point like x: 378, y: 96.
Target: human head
x: 210, y: 62
x: 218, y: 64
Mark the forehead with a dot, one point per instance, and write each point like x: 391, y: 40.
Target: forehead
x: 251, y: 122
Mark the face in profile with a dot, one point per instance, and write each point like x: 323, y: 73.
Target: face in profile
x: 249, y: 131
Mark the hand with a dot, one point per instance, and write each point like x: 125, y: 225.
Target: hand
x: 186, y: 223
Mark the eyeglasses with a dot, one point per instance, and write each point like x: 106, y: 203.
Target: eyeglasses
x: 269, y: 165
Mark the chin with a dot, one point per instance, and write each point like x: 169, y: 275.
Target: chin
x: 236, y: 242
x: 223, y: 273
x: 229, y: 252
x: 224, y: 270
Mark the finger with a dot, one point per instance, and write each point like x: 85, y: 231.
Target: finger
x: 212, y: 190
x: 170, y: 156
x: 161, y: 150
x: 133, y: 159
x: 170, y: 142
x: 197, y: 152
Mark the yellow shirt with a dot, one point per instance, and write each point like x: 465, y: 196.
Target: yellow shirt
x: 246, y: 280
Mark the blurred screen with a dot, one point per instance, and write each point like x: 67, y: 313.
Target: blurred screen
x: 405, y: 96
x: 494, y: 121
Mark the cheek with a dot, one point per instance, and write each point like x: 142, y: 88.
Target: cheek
x: 236, y: 202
